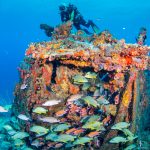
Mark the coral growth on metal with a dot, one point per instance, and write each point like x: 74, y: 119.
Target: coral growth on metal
x: 79, y: 82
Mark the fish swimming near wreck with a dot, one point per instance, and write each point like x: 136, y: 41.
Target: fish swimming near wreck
x: 65, y: 138
x: 8, y: 127
x: 23, y: 86
x: 131, y: 138
x: 95, y: 125
x: 3, y: 110
x: 130, y: 147
x: 20, y: 135
x: 118, y: 139
x: 91, y: 75
x: 36, y: 143
x: 127, y: 132
x: 52, y: 136
x: 120, y: 126
x: 74, y: 97
x: 79, y: 79
x: 18, y: 142
x: 40, y: 110
x: 60, y: 113
x: 11, y: 132
x: 62, y: 127
x: 39, y: 129
x: 93, y: 134
x: 51, y: 103
x: 82, y: 140
x: 49, y: 119
x: 90, y: 101
x: 23, y: 117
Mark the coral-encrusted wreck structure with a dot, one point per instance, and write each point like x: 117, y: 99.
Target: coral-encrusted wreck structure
x: 75, y: 77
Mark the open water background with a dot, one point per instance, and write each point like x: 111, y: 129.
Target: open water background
x: 20, y: 20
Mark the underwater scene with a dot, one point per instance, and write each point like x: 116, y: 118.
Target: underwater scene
x: 75, y: 75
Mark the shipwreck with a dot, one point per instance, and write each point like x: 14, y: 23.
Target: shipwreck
x: 77, y: 87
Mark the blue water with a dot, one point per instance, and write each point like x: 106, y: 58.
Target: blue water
x: 20, y: 20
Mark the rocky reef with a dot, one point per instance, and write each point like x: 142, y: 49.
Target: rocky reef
x: 75, y: 88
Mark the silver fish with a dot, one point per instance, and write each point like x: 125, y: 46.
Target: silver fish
x: 49, y: 119
x: 51, y: 103
x: 23, y: 86
x: 2, y: 109
x: 36, y: 143
x: 23, y: 117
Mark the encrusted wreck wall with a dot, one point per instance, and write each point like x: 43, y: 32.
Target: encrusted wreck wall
x: 142, y: 118
x: 67, y: 70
